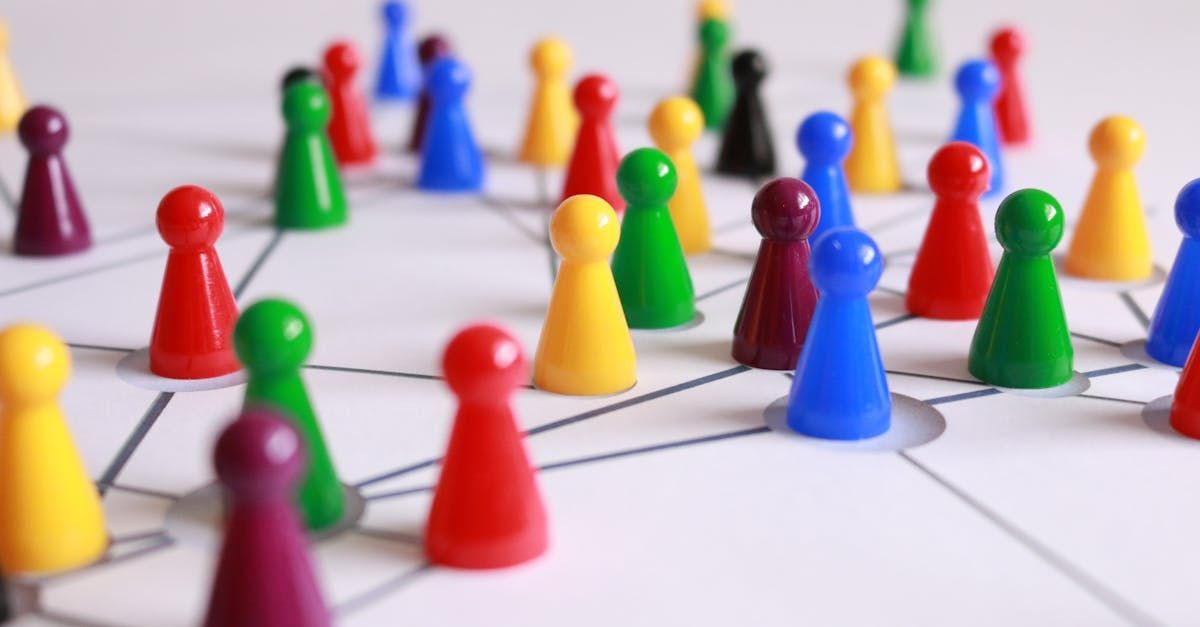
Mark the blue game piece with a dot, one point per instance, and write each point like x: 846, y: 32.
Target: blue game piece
x: 978, y: 85
x: 450, y: 158
x: 824, y: 140
x: 399, y: 71
x: 1177, y: 316
x: 840, y: 391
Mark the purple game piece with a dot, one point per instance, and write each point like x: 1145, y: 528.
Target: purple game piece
x: 780, y: 297
x: 264, y: 577
x: 432, y: 48
x: 50, y: 218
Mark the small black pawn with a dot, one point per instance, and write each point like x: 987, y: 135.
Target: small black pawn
x: 298, y: 73
x: 746, y: 147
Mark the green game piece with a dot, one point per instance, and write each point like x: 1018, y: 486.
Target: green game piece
x: 273, y: 338
x: 1022, y: 339
x: 649, y: 267
x: 308, y: 187
x: 713, y: 88
x: 916, y: 55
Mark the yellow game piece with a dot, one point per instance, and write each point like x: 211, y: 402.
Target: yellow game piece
x: 712, y: 10
x: 1110, y: 241
x: 585, y: 348
x: 12, y: 101
x: 872, y: 165
x: 50, y: 516
x: 675, y: 124
x: 550, y: 129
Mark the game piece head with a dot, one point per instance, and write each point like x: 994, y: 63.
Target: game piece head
x: 190, y: 216
x: 595, y: 95
x: 272, y: 336
x: 918, y: 5
x: 432, y: 48
x: 43, y: 130
x: 785, y: 209
x: 448, y: 80
x: 306, y: 106
x: 676, y: 122
x: 846, y: 262
x: 712, y: 9
x: 34, y: 365
x: 871, y: 77
x: 342, y: 60
x: 714, y: 34
x: 484, y: 363
x: 395, y: 13
x: 1187, y: 209
x: 297, y: 74
x: 646, y: 178
x: 1008, y: 44
x: 1117, y: 142
x: 749, y: 68
x: 584, y: 228
x: 1029, y: 222
x: 824, y: 137
x: 958, y: 170
x: 550, y: 58
x: 977, y: 80
x: 259, y: 455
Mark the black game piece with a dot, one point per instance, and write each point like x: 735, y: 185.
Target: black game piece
x: 746, y: 147
x: 298, y: 73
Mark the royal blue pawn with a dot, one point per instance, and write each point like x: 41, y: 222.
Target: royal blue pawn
x: 824, y: 140
x: 840, y: 391
x: 450, y: 158
x: 978, y: 85
x: 1177, y: 316
x: 399, y: 71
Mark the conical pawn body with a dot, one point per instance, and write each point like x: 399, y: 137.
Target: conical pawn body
x: 451, y: 160
x: 916, y: 55
x: 592, y: 168
x: 872, y: 166
x: 308, y: 186
x: 399, y: 77
x: 50, y: 216
x: 1176, y: 318
x: 349, y: 128
x: 1111, y: 242
x: 12, y: 99
x: 1185, y: 406
x: 552, y: 122
x: 689, y: 211
x: 712, y: 86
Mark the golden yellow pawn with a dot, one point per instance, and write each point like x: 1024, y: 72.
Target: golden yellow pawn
x: 872, y: 165
x: 12, y: 101
x: 550, y: 129
x: 50, y: 515
x: 712, y: 10
x: 1110, y: 241
x: 675, y: 124
x: 585, y: 348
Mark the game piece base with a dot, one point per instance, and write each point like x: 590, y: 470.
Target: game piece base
x: 134, y: 369
x: 1135, y: 351
x: 1078, y: 384
x: 914, y: 423
x: 1157, y: 415
x: 696, y: 321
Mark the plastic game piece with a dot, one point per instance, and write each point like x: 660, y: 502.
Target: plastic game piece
x: 487, y: 510
x: 264, y: 576
x: 1176, y: 319
x: 273, y: 338
x: 585, y: 348
x: 872, y: 165
x: 1021, y: 340
x: 953, y: 270
x: 649, y: 268
x: 978, y: 83
x: 593, y: 165
x: 824, y: 140
x: 308, y: 187
x: 1185, y: 405
x: 5, y: 612
x: 675, y: 124
x: 1110, y: 241
x: 50, y: 515
x: 193, y: 329
x: 433, y: 48
x: 552, y: 122
x: 50, y: 217
x: 450, y: 158
x: 780, y: 296
x: 916, y: 55
x: 12, y: 99
x: 840, y: 391
x: 1012, y: 113
x: 712, y: 86
x: 746, y: 145
x: 297, y: 74
x: 349, y: 127
x: 399, y: 73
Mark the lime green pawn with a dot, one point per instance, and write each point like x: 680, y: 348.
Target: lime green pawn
x: 649, y: 267
x: 308, y: 187
x: 1022, y: 339
x: 273, y: 338
x: 713, y: 88
x: 916, y: 55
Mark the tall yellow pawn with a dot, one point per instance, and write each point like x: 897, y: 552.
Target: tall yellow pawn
x: 550, y: 129
x: 50, y: 516
x: 675, y: 124
x: 1110, y: 241
x: 872, y: 165
x: 585, y: 348
x: 12, y: 101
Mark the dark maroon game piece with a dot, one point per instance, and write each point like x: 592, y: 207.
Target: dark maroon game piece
x: 746, y: 146
x: 780, y: 297
x: 50, y: 218
x: 432, y: 48
x: 264, y: 577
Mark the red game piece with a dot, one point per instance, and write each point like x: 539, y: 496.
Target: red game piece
x: 193, y: 330
x: 487, y: 511
x: 593, y: 165
x: 264, y: 577
x: 953, y: 270
x: 432, y: 48
x: 50, y: 218
x: 1012, y: 115
x: 1185, y: 407
x: 780, y: 297
x: 349, y: 126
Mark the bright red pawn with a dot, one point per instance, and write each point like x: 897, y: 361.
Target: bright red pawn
x: 487, y: 511
x: 593, y: 165
x: 1185, y: 407
x: 953, y: 270
x: 349, y: 125
x: 1012, y: 114
x: 193, y: 330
